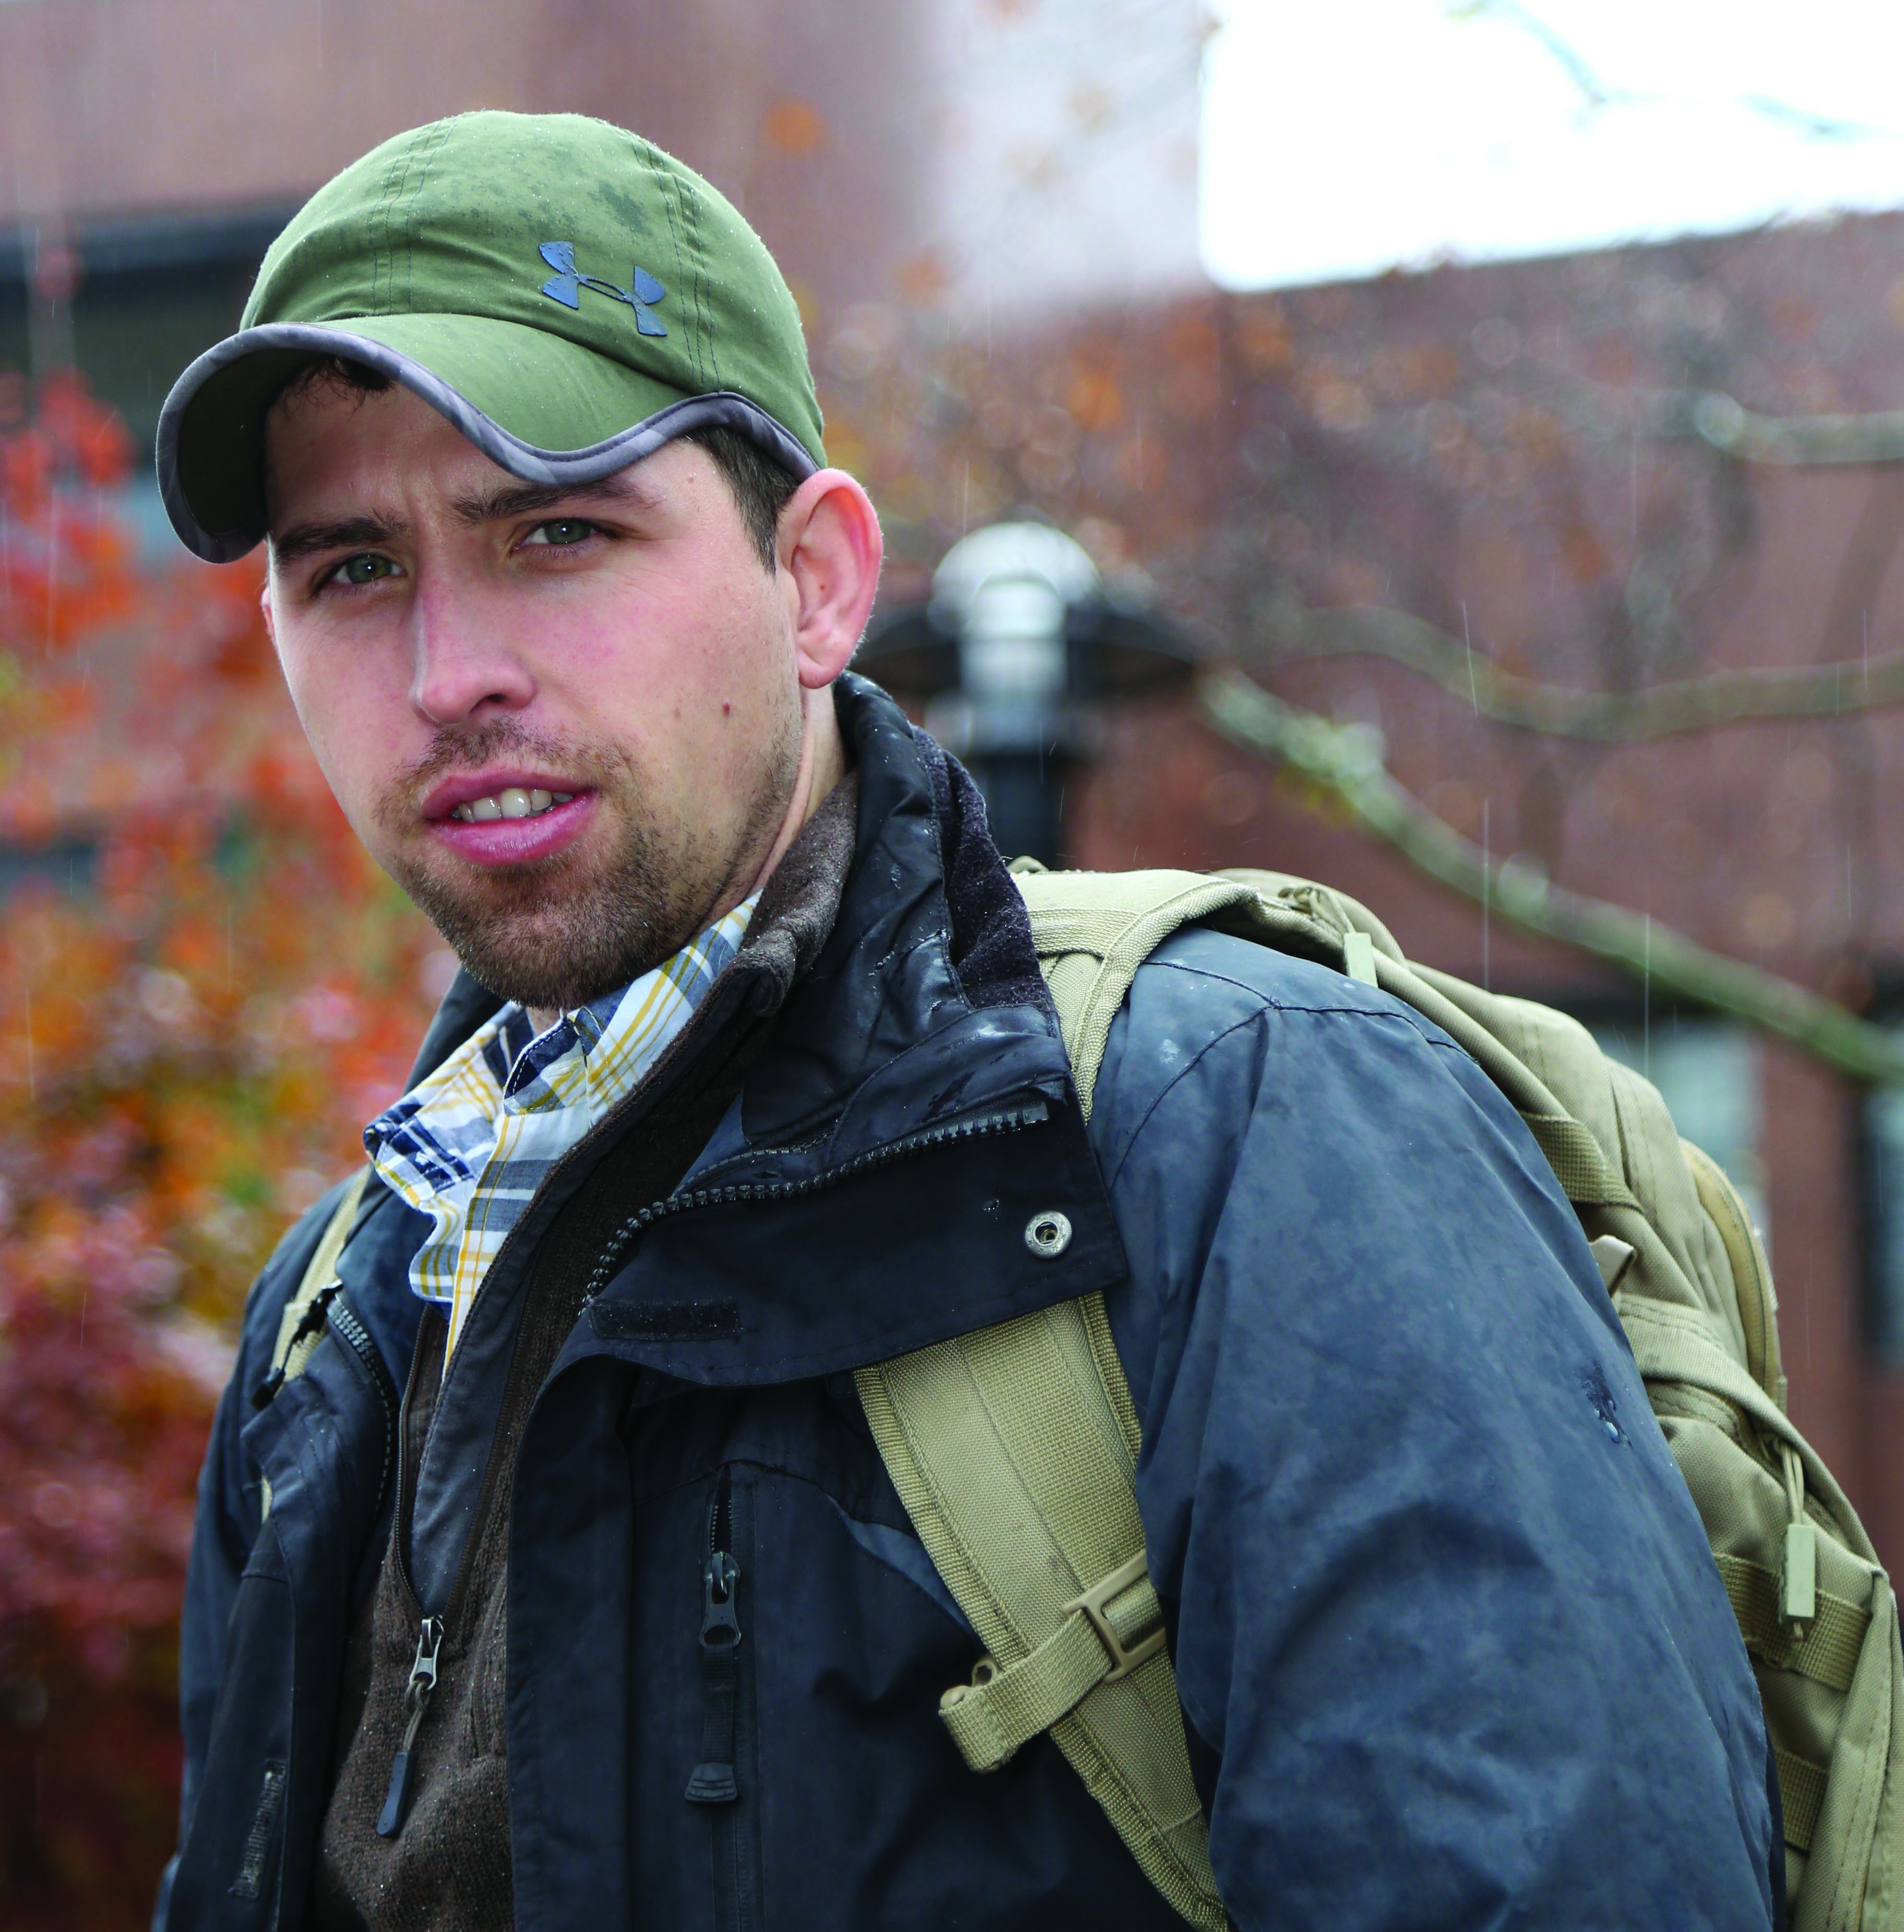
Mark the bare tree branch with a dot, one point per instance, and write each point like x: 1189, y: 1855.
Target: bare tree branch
x: 1833, y: 690
x: 1729, y: 427
x: 1346, y: 762
x: 1593, y: 90
x: 1598, y: 93
x: 1815, y: 126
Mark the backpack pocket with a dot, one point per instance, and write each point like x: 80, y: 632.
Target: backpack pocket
x: 1814, y: 1607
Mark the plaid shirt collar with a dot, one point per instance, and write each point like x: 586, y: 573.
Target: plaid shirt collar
x: 470, y: 1143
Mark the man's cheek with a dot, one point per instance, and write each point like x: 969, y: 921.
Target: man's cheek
x: 356, y: 781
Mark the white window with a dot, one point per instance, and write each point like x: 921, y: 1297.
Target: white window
x: 1707, y: 1071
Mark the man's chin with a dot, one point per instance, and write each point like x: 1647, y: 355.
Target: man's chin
x: 539, y: 973
x: 525, y: 943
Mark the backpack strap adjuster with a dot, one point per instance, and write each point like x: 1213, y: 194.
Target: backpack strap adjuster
x: 1134, y: 1633
x: 1107, y: 1632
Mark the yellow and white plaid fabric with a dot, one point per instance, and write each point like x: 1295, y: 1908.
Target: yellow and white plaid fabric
x: 469, y: 1145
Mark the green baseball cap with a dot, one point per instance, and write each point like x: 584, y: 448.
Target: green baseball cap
x: 568, y: 295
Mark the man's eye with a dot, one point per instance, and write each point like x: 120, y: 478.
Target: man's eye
x: 366, y: 568
x: 561, y: 532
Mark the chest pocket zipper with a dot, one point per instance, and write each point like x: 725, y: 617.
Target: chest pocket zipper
x: 713, y: 1782
x: 726, y: 1725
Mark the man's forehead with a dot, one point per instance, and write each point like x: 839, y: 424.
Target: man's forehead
x: 332, y: 450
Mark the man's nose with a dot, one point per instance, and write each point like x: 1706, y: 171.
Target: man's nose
x: 464, y: 667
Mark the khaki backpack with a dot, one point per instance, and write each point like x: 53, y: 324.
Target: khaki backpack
x: 1014, y: 1448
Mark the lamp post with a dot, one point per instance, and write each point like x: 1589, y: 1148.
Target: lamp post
x: 1019, y: 645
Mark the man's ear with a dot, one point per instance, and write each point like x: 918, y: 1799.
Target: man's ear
x: 264, y: 605
x: 830, y: 549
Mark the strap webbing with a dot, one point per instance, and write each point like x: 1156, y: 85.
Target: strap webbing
x: 1002, y: 1708
x: 1119, y: 936
x: 1801, y: 1797
x: 1673, y: 1342
x: 1013, y: 1450
x: 293, y: 1349
x: 1825, y: 1649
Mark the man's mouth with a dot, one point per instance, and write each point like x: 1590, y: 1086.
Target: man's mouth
x: 511, y: 802
x: 509, y: 816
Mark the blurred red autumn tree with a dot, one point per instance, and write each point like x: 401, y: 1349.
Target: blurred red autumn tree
x: 206, y: 989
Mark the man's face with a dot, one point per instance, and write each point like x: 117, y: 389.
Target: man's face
x: 568, y: 723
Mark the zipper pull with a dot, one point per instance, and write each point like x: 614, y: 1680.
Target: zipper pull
x: 1798, y: 1573
x: 422, y: 1681
x: 720, y: 1628
x: 713, y: 1780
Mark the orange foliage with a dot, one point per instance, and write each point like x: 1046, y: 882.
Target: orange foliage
x: 795, y: 127
x: 193, y: 1032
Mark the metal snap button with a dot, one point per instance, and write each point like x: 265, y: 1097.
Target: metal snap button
x: 1048, y: 1235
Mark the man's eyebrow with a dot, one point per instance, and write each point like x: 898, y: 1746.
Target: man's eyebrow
x: 363, y: 532
x: 474, y: 509
x: 522, y: 499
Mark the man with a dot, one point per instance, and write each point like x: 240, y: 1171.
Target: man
x: 613, y: 1616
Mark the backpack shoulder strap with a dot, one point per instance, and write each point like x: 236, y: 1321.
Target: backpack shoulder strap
x: 1020, y: 1492
x: 1093, y: 930
x: 1014, y: 1450
x: 298, y: 1333
x: 301, y: 1327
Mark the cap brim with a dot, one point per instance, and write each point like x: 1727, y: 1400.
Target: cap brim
x: 544, y: 408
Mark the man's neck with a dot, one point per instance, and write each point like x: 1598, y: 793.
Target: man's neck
x: 822, y: 765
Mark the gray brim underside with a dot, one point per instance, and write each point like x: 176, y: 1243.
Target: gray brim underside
x: 721, y: 407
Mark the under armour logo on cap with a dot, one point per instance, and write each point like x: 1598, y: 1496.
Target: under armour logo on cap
x: 566, y: 284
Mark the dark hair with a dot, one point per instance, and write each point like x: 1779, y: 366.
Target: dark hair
x: 332, y: 372
x: 759, y: 484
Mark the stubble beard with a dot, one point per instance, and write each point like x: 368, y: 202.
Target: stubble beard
x: 561, y: 931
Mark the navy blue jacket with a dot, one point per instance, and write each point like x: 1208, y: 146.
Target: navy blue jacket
x: 1451, y: 1648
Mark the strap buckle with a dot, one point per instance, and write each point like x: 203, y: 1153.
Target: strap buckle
x: 1093, y: 1604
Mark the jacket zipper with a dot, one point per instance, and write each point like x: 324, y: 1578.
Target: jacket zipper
x: 311, y: 1322
x: 485, y: 1495
x: 396, y: 1800
x: 416, y: 1701
x: 1032, y: 1113
x: 359, y: 1340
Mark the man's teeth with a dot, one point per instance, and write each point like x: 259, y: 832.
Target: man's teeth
x: 511, y: 802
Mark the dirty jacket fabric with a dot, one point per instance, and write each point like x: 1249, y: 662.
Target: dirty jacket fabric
x: 1451, y: 1651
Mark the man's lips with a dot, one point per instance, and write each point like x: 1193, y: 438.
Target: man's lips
x: 502, y: 841
x: 466, y: 788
